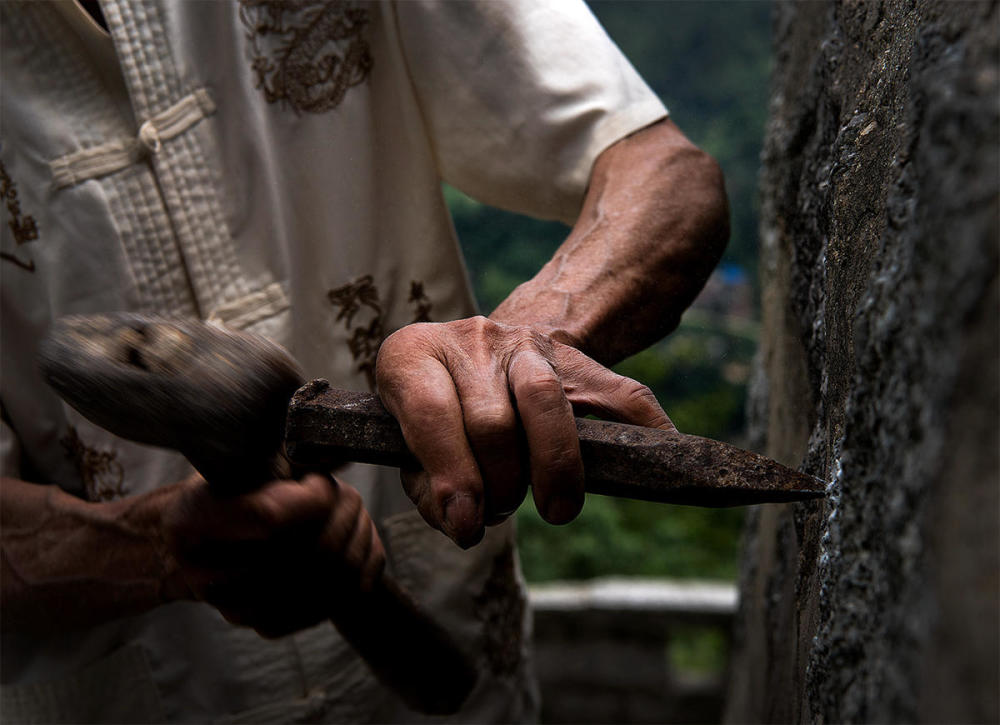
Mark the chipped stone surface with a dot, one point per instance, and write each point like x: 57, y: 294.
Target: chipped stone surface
x: 878, y: 370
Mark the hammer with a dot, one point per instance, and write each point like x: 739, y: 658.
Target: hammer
x: 220, y: 397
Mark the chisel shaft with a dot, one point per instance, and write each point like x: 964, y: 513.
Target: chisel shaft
x: 326, y: 426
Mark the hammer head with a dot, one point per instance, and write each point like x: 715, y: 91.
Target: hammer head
x: 216, y: 395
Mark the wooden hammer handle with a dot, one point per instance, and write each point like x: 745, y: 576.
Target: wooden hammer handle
x: 405, y: 649
x: 408, y: 652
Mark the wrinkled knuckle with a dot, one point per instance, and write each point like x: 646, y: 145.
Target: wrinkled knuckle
x: 267, y: 512
x: 528, y: 339
x: 489, y: 422
x: 541, y: 390
x: 323, y: 490
x: 476, y: 325
x: 642, y: 406
x: 545, y: 345
x: 436, y: 400
x: 421, y: 402
x: 540, y: 339
x: 444, y: 490
x: 561, y: 463
x: 397, y: 351
x: 406, y: 337
x: 435, y: 404
x: 638, y: 394
x: 390, y: 345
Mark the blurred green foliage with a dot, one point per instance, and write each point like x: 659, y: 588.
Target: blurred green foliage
x: 698, y: 650
x: 634, y: 539
x: 709, y: 62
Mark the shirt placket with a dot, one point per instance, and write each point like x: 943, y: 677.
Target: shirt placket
x: 168, y: 112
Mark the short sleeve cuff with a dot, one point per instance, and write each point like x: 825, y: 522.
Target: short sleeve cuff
x: 612, y: 128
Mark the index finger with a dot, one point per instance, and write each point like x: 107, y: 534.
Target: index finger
x: 594, y: 389
x: 449, y: 494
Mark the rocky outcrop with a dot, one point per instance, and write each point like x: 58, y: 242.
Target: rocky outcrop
x: 878, y: 370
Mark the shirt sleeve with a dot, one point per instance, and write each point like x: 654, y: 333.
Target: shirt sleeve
x: 520, y: 97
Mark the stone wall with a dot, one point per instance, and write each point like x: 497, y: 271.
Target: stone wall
x: 878, y: 370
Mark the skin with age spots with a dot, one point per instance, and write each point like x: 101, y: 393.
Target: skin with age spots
x: 479, y: 462
x: 272, y: 559
x: 487, y: 405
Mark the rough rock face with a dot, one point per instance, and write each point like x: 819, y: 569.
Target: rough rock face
x: 878, y: 370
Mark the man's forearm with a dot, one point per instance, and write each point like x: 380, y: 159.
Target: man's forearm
x: 653, y: 225
x: 70, y: 563
x: 274, y: 557
x: 487, y: 405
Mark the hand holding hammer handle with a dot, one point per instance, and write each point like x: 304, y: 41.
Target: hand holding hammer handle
x: 220, y: 398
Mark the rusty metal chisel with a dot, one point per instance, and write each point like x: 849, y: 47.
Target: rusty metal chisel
x: 326, y: 426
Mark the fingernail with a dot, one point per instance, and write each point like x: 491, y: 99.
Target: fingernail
x: 461, y: 520
x: 561, y: 510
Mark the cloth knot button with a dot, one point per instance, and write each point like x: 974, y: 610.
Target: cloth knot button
x: 150, y: 137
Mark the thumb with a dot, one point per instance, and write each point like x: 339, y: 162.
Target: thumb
x: 593, y: 389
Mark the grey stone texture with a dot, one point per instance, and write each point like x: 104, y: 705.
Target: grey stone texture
x: 878, y: 370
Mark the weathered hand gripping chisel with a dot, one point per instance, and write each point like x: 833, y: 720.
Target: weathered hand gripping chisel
x: 231, y: 402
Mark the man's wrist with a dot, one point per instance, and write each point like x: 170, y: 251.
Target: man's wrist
x: 142, y: 517
x: 542, y: 311
x: 109, y: 558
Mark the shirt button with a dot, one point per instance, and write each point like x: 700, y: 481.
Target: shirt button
x: 150, y: 137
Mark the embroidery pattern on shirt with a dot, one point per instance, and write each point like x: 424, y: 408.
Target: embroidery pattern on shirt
x: 22, y: 227
x: 422, y: 312
x: 365, y: 339
x: 102, y: 473
x: 500, y: 608
x: 306, y: 53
